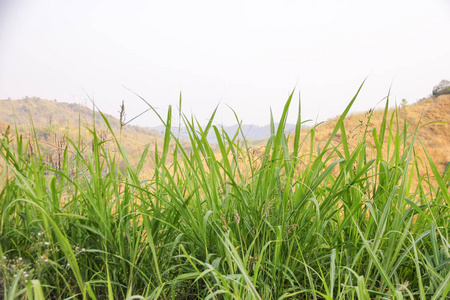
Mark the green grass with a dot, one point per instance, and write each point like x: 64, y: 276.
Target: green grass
x: 317, y: 220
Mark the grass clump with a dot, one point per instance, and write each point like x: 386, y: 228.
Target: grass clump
x: 314, y: 220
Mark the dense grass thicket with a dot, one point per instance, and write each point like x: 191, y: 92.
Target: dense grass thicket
x: 326, y: 222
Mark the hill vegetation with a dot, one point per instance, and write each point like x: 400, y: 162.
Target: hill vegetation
x: 48, y: 116
x: 430, y: 118
x: 443, y: 88
x: 54, y: 123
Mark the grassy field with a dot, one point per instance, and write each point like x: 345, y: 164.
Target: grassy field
x: 302, y: 220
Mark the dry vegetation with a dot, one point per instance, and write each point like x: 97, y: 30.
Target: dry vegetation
x: 56, y: 121
x: 430, y: 115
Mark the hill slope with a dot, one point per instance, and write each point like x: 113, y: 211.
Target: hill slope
x: 54, y: 122
x: 431, y: 116
x: 46, y: 113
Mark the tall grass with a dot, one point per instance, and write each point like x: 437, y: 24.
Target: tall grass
x: 317, y: 220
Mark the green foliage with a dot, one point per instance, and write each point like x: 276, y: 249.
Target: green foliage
x: 442, y: 88
x: 313, y: 221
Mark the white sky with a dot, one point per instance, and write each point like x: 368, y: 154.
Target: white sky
x: 246, y: 54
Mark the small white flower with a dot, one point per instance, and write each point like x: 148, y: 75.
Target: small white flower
x: 82, y: 250
x: 45, y: 260
x: 15, y: 275
x: 39, y: 234
x: 42, y: 257
x: 46, y: 243
x: 25, y: 275
x: 13, y: 266
x: 4, y: 257
x: 20, y: 258
x: 68, y: 265
x: 26, y: 280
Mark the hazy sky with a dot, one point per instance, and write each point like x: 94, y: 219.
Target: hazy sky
x: 245, y: 54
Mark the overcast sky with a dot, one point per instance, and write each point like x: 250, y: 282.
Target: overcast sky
x: 248, y: 55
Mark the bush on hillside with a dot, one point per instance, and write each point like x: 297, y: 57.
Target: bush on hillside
x: 442, y: 88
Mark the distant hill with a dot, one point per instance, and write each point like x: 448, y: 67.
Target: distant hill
x: 47, y: 113
x: 250, y: 132
x: 55, y: 121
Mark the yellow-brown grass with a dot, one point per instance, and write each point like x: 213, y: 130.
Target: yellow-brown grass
x: 431, y: 115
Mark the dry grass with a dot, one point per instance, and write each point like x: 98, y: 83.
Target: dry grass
x: 432, y: 115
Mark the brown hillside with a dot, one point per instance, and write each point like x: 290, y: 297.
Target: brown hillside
x: 54, y: 122
x: 44, y: 112
x: 431, y: 115
x: 3, y: 126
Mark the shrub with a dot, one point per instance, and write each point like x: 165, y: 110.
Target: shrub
x: 442, y: 88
